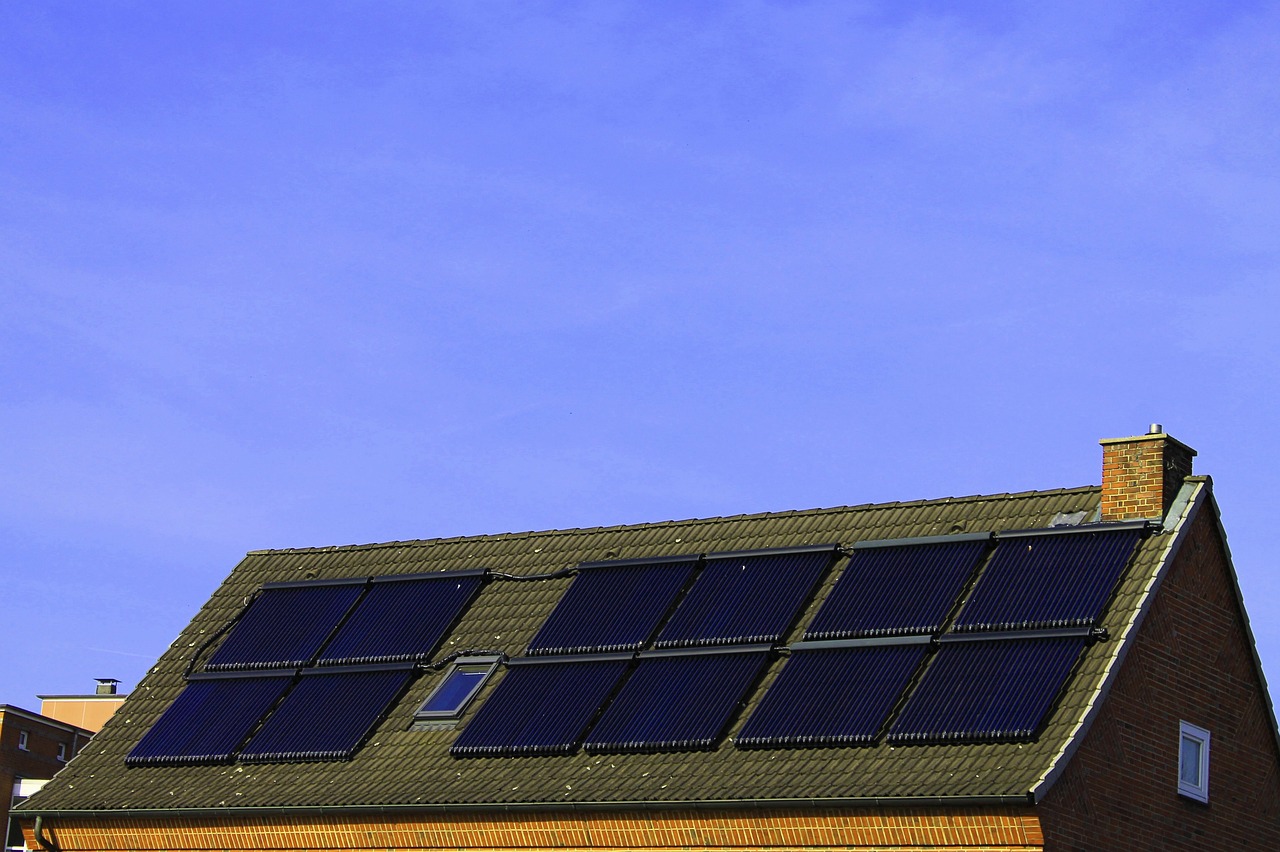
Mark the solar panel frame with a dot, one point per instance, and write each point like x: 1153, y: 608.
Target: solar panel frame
x: 889, y: 589
x: 403, y: 617
x: 613, y: 606
x: 1049, y: 578
x: 746, y: 597
x: 678, y: 701
x: 542, y: 706
x: 999, y: 690
x: 329, y: 714
x: 830, y: 697
x: 286, y: 625
x: 210, y: 719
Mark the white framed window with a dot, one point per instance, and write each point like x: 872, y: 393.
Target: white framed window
x: 62, y: 751
x: 1193, y: 762
x: 22, y: 740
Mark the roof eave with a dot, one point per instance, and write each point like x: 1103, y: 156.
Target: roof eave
x: 622, y: 805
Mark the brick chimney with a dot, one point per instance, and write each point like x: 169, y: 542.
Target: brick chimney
x: 1141, y: 475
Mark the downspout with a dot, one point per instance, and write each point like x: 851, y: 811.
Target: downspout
x: 47, y: 844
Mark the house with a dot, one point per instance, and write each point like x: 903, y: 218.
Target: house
x: 32, y: 748
x: 89, y: 711
x: 1068, y: 669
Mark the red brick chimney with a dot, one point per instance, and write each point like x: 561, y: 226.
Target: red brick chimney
x: 1141, y: 475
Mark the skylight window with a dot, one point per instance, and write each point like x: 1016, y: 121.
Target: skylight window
x: 460, y: 684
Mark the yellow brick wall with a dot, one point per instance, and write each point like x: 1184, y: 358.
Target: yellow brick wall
x: 1004, y: 829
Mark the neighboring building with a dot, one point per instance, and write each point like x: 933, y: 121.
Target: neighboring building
x: 90, y: 712
x: 1064, y: 670
x: 32, y: 748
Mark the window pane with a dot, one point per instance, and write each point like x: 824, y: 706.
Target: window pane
x: 1189, y: 765
x: 455, y: 689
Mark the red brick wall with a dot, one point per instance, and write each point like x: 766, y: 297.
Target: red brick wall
x: 1191, y: 662
x: 38, y: 760
x: 1012, y: 829
x: 1142, y: 475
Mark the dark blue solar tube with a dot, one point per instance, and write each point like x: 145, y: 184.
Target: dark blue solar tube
x: 402, y: 619
x: 887, y: 591
x: 1052, y: 580
x: 677, y: 703
x: 327, y: 715
x: 993, y: 691
x: 611, y: 608
x: 831, y: 697
x: 541, y: 708
x: 209, y: 720
x: 285, y: 626
x: 745, y: 599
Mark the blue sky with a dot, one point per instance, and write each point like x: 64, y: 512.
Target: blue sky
x: 284, y: 274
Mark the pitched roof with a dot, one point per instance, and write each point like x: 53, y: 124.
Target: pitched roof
x: 399, y: 767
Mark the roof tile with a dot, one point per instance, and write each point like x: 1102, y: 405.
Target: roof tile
x: 402, y: 767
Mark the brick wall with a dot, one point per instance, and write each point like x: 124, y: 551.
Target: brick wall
x: 1142, y: 475
x: 1013, y: 829
x: 38, y: 760
x: 1191, y: 662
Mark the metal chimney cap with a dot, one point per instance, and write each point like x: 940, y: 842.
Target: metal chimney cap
x: 1155, y: 429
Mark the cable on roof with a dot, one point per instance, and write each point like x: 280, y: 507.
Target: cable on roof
x: 554, y: 575
x: 249, y: 599
x: 468, y: 652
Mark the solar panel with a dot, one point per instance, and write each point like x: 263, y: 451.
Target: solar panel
x: 209, y: 720
x: 678, y: 702
x: 285, y: 625
x: 613, y: 606
x: 744, y: 599
x: 1048, y: 579
x: 327, y: 715
x: 997, y: 690
x: 402, y: 618
x: 541, y: 708
x: 832, y: 697
x: 896, y: 590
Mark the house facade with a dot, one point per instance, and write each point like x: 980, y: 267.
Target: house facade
x: 1065, y: 669
x: 32, y: 748
x: 89, y: 711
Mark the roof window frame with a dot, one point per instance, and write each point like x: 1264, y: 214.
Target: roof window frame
x: 488, y: 663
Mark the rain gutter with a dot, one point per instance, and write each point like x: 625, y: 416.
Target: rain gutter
x: 527, y: 807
